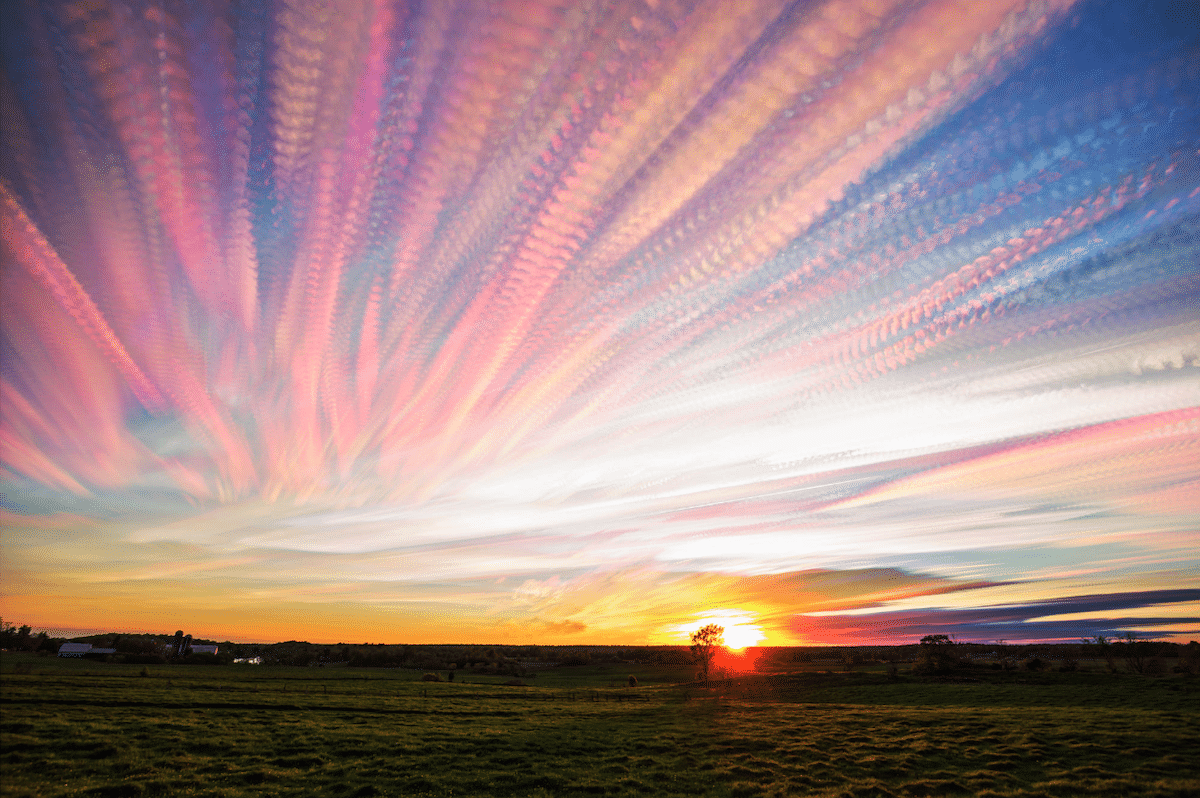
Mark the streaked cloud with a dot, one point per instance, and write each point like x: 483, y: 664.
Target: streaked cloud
x: 534, y: 321
x: 1068, y: 619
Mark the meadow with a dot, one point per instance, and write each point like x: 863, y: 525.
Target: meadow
x: 81, y: 728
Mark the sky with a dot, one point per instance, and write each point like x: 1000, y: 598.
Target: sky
x: 589, y: 322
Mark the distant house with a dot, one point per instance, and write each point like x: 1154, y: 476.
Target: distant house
x: 248, y: 660
x: 203, y: 649
x: 81, y: 649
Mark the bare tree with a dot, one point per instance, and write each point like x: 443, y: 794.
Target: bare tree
x: 1105, y: 646
x: 706, y: 642
x: 1135, y: 653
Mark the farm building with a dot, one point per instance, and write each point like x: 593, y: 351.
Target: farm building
x: 80, y: 649
x: 203, y: 649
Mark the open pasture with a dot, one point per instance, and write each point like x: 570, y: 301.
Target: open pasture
x: 85, y: 728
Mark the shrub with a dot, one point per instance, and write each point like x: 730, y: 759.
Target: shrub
x: 633, y: 681
x: 1190, y: 660
x: 206, y: 659
x: 1034, y: 664
x: 573, y: 660
x: 144, y: 659
x: 431, y: 677
x: 1155, y: 667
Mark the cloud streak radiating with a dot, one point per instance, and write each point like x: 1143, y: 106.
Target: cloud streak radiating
x: 581, y: 320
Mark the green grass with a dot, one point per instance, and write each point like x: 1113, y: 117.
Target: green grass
x: 82, y: 728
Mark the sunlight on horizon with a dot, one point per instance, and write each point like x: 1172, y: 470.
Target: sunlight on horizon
x: 740, y: 627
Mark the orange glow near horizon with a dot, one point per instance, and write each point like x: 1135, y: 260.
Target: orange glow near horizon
x: 736, y: 661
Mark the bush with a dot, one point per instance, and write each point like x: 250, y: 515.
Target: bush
x: 574, y: 660
x: 144, y: 659
x: 431, y: 677
x: 1034, y: 664
x: 1155, y: 667
x: 633, y: 681
x: 206, y: 659
x: 1190, y: 659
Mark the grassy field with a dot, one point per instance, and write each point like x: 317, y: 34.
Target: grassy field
x: 73, y: 727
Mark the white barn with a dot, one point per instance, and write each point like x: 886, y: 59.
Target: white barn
x: 74, y: 649
x: 79, y: 649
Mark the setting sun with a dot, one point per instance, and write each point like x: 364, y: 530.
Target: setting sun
x: 740, y: 627
x: 740, y: 635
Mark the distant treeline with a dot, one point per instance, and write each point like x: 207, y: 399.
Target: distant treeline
x: 526, y: 660
x: 496, y: 659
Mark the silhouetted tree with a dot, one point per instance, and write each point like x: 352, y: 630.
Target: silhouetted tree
x: 936, y: 654
x: 8, y: 634
x: 706, y: 642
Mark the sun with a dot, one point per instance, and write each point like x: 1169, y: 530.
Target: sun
x: 740, y: 635
x: 741, y: 629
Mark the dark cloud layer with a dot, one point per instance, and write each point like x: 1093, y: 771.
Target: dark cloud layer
x: 1016, y: 622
